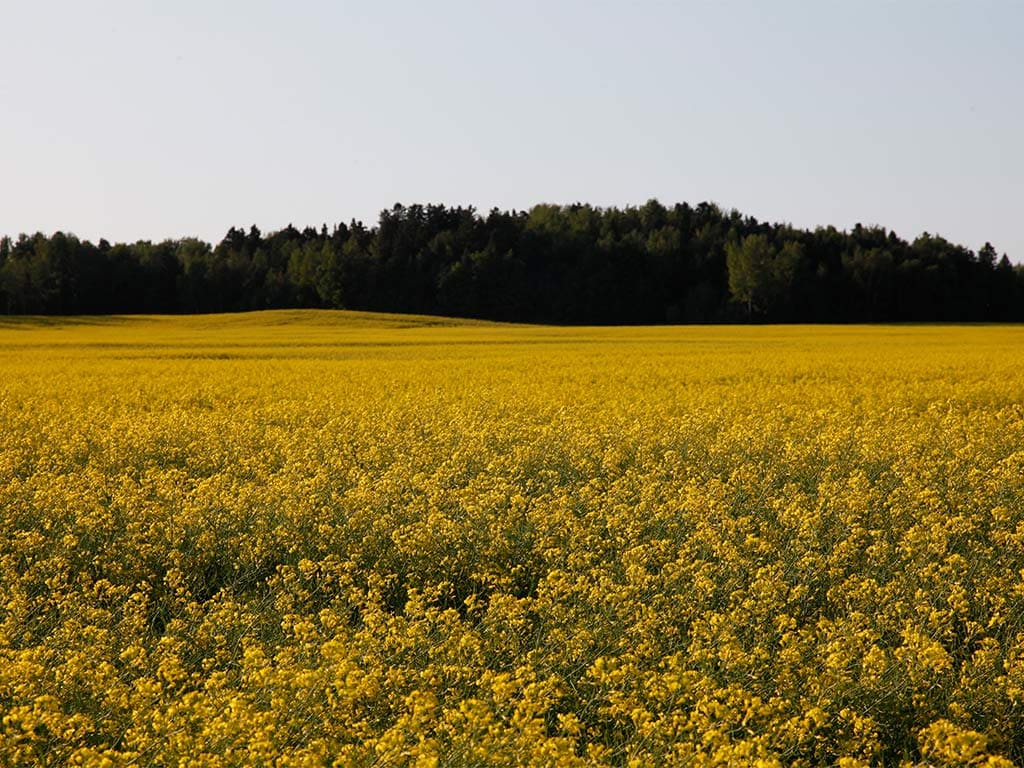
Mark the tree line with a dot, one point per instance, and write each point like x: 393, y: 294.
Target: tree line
x: 550, y: 264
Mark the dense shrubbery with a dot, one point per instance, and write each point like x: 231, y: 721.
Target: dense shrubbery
x: 575, y: 264
x: 249, y: 542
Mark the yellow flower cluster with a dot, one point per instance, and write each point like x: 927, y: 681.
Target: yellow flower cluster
x: 328, y: 539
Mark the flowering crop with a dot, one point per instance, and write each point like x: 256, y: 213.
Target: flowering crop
x: 314, y: 539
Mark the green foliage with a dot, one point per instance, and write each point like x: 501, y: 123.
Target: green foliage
x: 761, y: 276
x: 564, y: 264
x: 750, y: 270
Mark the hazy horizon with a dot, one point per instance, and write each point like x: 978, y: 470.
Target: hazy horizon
x: 142, y: 122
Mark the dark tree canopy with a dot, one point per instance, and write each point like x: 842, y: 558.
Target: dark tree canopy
x: 552, y: 264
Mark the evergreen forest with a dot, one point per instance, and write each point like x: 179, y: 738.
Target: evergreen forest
x: 574, y: 264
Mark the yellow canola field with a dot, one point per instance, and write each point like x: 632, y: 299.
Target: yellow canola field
x: 326, y: 538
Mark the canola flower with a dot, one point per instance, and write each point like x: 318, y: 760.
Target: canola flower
x: 337, y: 539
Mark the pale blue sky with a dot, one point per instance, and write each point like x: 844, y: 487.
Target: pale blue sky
x: 143, y: 119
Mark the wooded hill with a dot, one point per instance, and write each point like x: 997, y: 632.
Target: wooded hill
x: 551, y: 264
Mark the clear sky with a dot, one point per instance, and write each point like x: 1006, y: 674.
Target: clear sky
x: 141, y: 119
